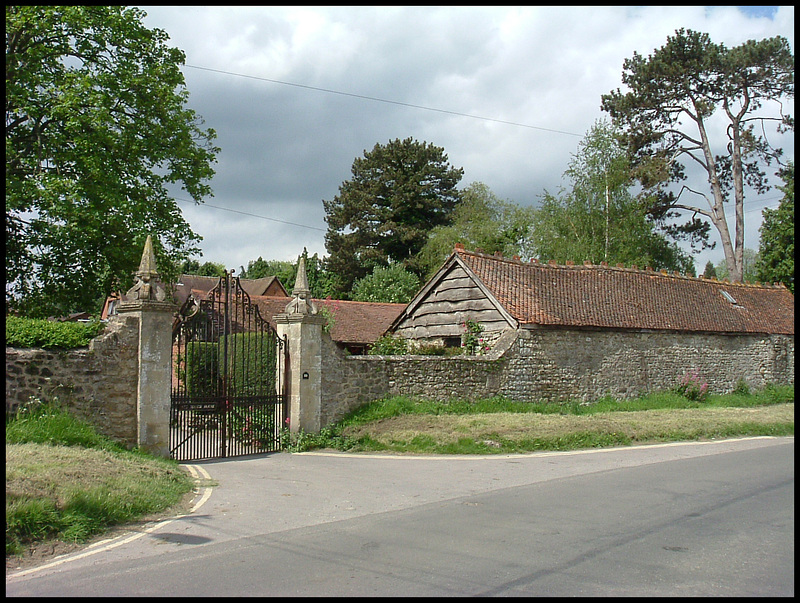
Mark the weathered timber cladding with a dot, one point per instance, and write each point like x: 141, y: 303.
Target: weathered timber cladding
x: 98, y: 384
x: 444, y: 309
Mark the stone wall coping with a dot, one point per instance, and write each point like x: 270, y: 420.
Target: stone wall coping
x: 147, y: 306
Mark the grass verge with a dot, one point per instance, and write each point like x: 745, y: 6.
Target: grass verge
x: 501, y: 426
x: 67, y: 483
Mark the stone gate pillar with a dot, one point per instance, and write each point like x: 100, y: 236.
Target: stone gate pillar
x: 147, y: 301
x: 302, y: 324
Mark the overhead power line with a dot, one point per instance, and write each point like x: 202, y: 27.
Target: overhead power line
x: 383, y: 100
x: 244, y: 213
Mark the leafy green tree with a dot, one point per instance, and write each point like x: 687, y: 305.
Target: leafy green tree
x: 383, y: 214
x: 480, y: 221
x: 261, y: 268
x: 749, y: 261
x: 675, y: 97
x: 319, y: 278
x: 96, y: 128
x: 393, y: 284
x: 598, y: 219
x: 193, y: 266
x: 776, y: 245
x: 710, y: 271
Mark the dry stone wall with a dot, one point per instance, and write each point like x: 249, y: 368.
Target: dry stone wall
x: 97, y: 383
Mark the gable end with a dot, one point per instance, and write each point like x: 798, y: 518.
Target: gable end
x: 453, y: 296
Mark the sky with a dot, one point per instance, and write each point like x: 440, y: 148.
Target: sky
x: 296, y: 94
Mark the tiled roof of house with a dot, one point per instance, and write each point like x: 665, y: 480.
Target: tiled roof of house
x: 617, y: 297
x: 260, y: 286
x: 353, y: 322
x: 193, y: 282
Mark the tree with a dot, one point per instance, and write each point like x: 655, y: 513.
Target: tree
x: 261, y: 268
x: 598, y: 219
x: 393, y: 284
x: 383, y: 214
x: 710, y: 271
x: 96, y: 128
x: 319, y: 278
x: 675, y: 97
x: 749, y: 262
x: 480, y: 221
x: 192, y: 266
x: 776, y: 245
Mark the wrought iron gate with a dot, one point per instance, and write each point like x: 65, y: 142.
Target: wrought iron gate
x: 228, y: 394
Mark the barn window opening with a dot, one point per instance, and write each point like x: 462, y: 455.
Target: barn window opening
x: 728, y: 296
x: 452, y: 342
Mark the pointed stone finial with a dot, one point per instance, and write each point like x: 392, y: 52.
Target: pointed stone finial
x: 301, y: 294
x: 148, y: 263
x: 148, y: 285
x: 301, y: 281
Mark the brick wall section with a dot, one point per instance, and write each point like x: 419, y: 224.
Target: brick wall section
x: 97, y: 383
x: 558, y: 365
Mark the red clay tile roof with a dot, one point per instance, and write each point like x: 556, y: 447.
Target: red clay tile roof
x: 353, y: 322
x: 612, y: 297
x: 194, y: 282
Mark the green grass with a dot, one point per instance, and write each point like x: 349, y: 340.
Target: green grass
x: 412, y: 425
x: 66, y: 482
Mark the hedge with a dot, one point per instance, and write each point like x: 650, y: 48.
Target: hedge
x: 40, y: 333
x: 252, y: 359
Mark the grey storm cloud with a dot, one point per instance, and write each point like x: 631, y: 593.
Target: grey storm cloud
x: 295, y: 94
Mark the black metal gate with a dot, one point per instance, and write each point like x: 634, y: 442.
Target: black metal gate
x: 228, y: 394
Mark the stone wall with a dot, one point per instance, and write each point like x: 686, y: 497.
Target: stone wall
x: 98, y: 383
x: 558, y: 365
x: 586, y: 365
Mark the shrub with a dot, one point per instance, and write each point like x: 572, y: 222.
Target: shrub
x: 252, y: 358
x: 40, y: 333
x: 692, y: 387
x: 201, y: 369
x: 471, y: 339
x: 253, y: 425
x: 253, y: 361
x: 389, y: 345
x: 742, y: 388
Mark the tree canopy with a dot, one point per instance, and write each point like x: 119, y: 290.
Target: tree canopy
x: 397, y: 193
x: 480, y: 221
x: 598, y: 219
x: 319, y: 279
x: 393, y: 284
x: 192, y: 266
x: 96, y: 129
x: 776, y: 246
x: 749, y: 263
x: 674, y: 100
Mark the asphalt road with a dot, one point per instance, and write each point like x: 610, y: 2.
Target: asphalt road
x: 694, y: 519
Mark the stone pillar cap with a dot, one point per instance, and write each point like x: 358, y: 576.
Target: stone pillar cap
x: 301, y: 295
x: 148, y: 285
